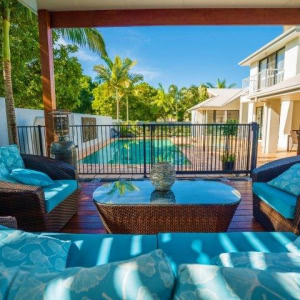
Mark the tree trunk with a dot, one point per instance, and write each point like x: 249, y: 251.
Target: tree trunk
x: 9, y: 97
x: 118, y: 105
x: 127, y: 109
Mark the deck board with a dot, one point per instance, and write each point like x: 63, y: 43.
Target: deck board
x: 87, y: 219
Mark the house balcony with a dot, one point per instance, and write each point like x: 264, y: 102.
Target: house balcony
x: 262, y: 80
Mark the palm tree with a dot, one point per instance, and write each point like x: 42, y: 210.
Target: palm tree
x: 116, y: 75
x: 85, y: 37
x: 164, y: 103
x: 133, y: 79
x: 221, y: 84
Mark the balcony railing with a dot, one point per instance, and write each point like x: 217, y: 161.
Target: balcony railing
x: 262, y: 80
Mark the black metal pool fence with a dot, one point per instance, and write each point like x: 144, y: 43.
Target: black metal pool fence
x: 133, y: 149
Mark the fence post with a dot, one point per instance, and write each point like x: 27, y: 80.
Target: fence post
x: 255, y: 129
x: 144, y: 139
x: 40, y: 140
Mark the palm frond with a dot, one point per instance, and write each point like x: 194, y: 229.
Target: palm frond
x: 85, y: 37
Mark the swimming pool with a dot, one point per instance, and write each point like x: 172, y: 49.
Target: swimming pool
x: 128, y: 151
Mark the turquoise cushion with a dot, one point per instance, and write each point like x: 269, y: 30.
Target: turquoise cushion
x: 282, y: 202
x: 279, y: 262
x: 58, y: 192
x: 288, y: 181
x: 10, y: 157
x: 19, y: 248
x: 146, y: 277
x: 200, y: 248
x: 32, y: 177
x: 216, y: 283
x: 89, y: 250
x: 5, y: 174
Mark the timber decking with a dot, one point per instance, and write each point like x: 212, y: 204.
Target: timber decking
x: 87, y: 219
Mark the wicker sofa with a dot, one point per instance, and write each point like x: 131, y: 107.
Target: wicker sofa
x: 29, y: 204
x: 275, y: 209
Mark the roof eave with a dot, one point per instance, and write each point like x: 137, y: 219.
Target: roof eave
x: 247, y: 61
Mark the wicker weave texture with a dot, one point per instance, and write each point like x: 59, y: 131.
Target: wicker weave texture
x: 27, y: 203
x: 265, y: 214
x: 10, y: 222
x: 152, y: 219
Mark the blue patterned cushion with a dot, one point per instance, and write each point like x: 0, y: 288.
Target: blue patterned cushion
x: 146, y: 277
x: 11, y: 158
x: 5, y: 174
x: 32, y: 177
x: 288, y: 181
x: 19, y: 248
x: 279, y: 262
x: 216, y: 283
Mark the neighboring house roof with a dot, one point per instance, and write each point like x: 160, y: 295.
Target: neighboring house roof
x: 220, y: 97
x: 274, y: 45
x: 282, y: 87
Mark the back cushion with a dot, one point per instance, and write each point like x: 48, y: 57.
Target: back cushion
x: 10, y: 158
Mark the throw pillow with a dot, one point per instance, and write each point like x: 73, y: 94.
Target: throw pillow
x: 11, y: 158
x: 19, y: 248
x: 32, y: 177
x: 280, y: 262
x: 212, y: 282
x: 5, y: 174
x: 146, y: 277
x: 288, y: 181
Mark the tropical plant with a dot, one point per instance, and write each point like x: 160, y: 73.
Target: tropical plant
x: 116, y: 76
x: 129, y: 89
x: 221, y: 84
x: 86, y: 37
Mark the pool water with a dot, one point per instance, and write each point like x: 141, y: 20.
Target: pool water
x: 126, y: 151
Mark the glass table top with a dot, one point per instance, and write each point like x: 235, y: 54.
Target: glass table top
x: 183, y: 192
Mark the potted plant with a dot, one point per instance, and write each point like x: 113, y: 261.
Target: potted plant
x: 228, y: 161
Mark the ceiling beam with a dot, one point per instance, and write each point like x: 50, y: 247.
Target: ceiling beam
x: 152, y: 17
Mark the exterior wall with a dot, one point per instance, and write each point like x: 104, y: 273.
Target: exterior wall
x: 285, y: 125
x: 27, y: 117
x: 291, y: 59
x: 272, y: 127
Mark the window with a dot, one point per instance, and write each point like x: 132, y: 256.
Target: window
x: 220, y: 116
x: 210, y: 117
x: 233, y: 115
x: 271, y: 69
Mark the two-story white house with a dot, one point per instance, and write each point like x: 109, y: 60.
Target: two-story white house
x: 270, y: 96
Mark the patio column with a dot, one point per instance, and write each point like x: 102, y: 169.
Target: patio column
x: 285, y: 126
x: 47, y: 67
x: 272, y: 127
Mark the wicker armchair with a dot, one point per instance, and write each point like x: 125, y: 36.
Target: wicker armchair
x: 27, y: 203
x: 265, y: 214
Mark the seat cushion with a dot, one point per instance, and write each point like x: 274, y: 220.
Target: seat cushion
x: 200, y: 248
x: 58, y: 192
x: 281, y: 201
x: 89, y: 250
x: 211, y: 283
x: 146, y: 277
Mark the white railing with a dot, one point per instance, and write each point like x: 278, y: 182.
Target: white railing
x: 262, y: 80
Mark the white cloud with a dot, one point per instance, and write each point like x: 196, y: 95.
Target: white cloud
x: 148, y: 72
x: 86, y: 56
x: 62, y: 41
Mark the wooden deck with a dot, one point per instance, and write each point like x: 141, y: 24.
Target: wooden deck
x: 87, y: 219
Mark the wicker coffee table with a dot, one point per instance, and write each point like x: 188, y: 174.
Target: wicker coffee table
x: 190, y: 206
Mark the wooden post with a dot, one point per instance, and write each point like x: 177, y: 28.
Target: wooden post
x: 298, y: 147
x: 47, y: 67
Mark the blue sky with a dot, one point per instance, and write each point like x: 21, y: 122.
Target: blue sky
x: 183, y: 55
